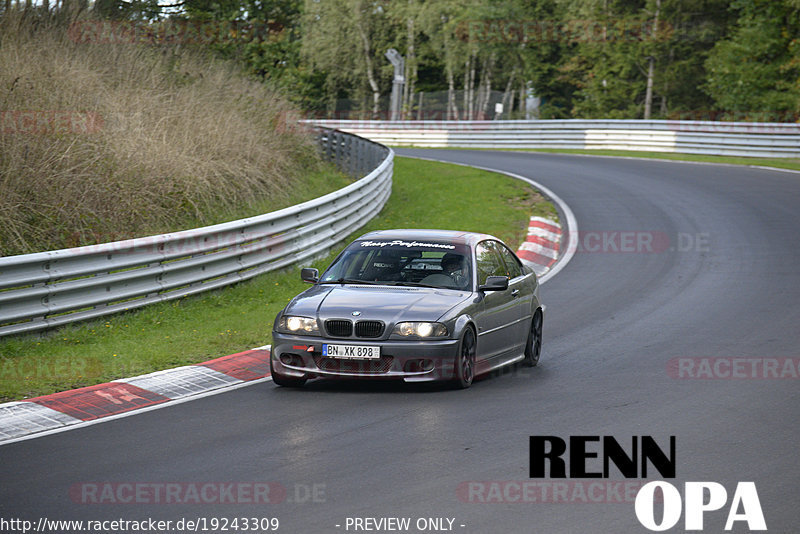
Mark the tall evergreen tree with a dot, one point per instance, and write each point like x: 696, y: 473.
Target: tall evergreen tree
x: 753, y: 74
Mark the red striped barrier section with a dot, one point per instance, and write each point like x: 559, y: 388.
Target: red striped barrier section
x: 540, y: 249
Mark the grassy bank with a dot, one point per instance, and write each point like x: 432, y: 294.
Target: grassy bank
x: 195, y: 329
x: 102, y: 140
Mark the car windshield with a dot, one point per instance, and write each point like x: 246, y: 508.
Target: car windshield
x: 400, y: 263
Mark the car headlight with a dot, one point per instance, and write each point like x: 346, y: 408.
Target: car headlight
x: 298, y: 325
x: 420, y: 329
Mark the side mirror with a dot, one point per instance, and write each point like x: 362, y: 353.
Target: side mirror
x: 495, y: 283
x: 307, y: 274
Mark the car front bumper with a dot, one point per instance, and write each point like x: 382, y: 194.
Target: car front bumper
x: 412, y: 360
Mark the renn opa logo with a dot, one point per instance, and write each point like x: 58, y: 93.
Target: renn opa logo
x: 592, y: 457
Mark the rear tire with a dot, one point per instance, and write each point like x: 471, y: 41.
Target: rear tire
x: 533, y: 348
x: 285, y: 381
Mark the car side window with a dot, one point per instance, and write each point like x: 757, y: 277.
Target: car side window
x: 512, y: 264
x: 488, y: 261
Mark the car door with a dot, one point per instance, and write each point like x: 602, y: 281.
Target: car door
x: 521, y: 292
x: 498, y: 315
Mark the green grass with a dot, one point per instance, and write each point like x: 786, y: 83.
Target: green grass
x: 199, y: 328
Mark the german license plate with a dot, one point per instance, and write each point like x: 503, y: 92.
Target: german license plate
x: 351, y: 352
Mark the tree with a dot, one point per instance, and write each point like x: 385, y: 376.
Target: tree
x: 611, y: 56
x: 754, y: 72
x: 138, y: 10
x: 545, y: 57
x: 687, y: 34
x: 346, y: 40
x: 440, y: 22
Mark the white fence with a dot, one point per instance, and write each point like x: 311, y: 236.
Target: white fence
x: 756, y: 139
x: 47, y: 289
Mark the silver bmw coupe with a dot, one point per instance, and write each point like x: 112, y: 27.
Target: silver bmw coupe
x: 415, y: 305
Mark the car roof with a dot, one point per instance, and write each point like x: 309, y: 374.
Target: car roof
x: 447, y: 236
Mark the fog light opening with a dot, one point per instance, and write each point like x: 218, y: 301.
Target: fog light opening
x: 291, y: 359
x: 418, y: 366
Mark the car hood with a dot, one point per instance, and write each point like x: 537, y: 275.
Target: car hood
x: 387, y: 304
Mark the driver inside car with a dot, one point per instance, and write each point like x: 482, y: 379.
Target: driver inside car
x: 453, y: 266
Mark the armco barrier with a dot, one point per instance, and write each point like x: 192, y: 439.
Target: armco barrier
x: 48, y: 289
x: 757, y: 139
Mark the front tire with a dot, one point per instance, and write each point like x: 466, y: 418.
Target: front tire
x: 533, y: 348
x: 285, y: 381
x: 465, y: 360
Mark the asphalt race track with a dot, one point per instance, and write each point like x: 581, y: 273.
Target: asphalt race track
x: 679, y: 264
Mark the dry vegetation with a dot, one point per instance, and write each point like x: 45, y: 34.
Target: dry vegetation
x: 101, y: 141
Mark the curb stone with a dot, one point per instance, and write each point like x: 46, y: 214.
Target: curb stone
x: 22, y: 419
x: 540, y: 249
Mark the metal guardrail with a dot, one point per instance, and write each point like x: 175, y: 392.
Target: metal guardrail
x: 47, y: 289
x: 756, y: 139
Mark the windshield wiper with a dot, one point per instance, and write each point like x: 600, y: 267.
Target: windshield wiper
x: 415, y: 284
x: 350, y: 281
